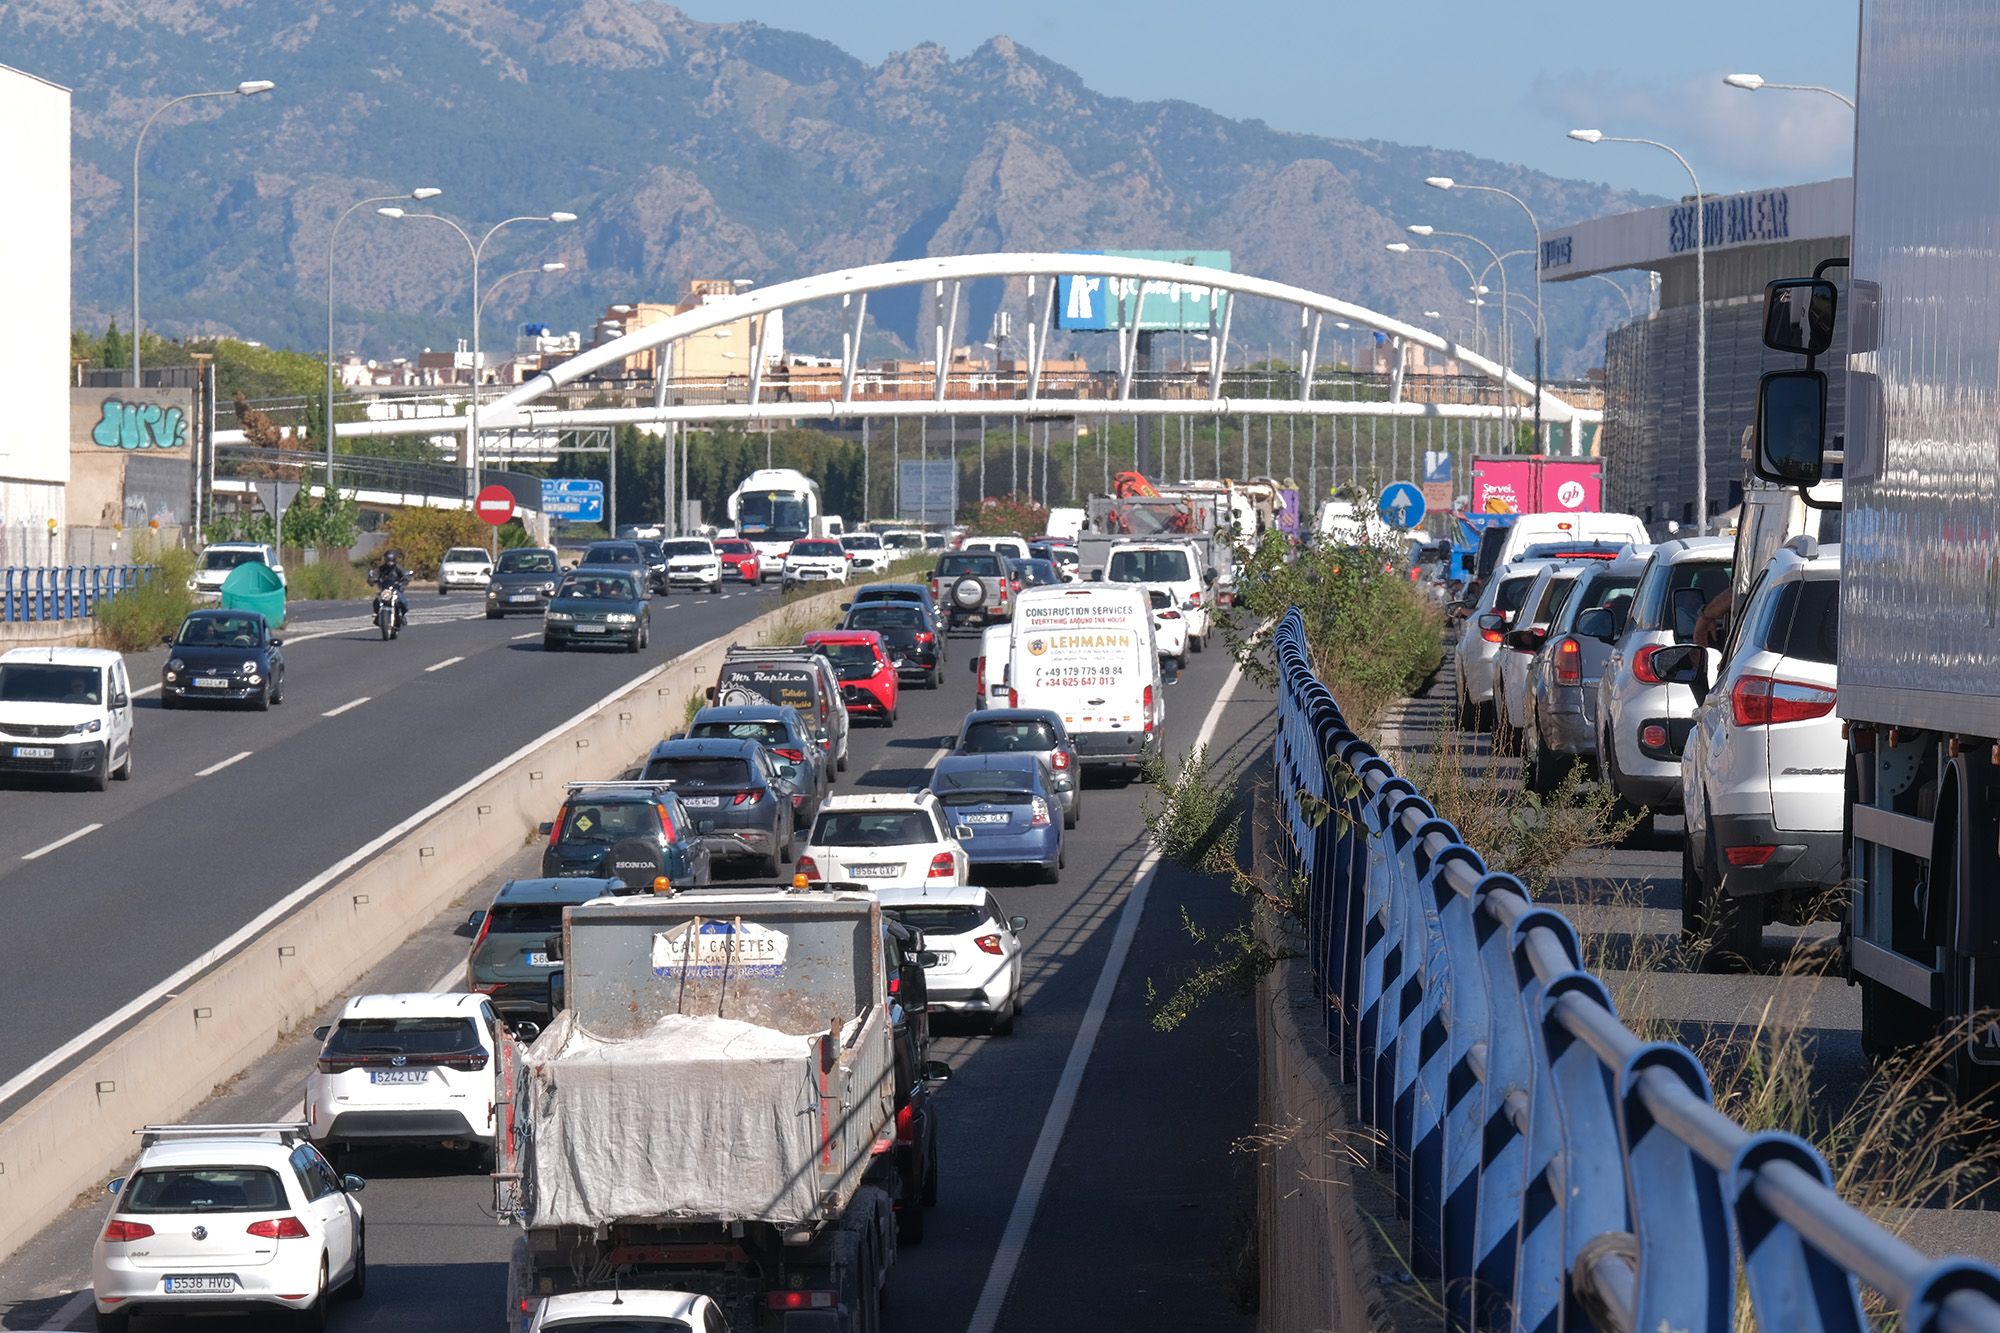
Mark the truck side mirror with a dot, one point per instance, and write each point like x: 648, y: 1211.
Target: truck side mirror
x: 1798, y: 315
x: 1791, y: 426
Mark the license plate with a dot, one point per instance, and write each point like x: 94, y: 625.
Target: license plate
x: 521, y: 597
x: 210, y: 684
x: 701, y: 802
x: 592, y: 629
x: 875, y: 872
x: 398, y: 1075
x: 986, y: 819
x: 221, y: 1282
x: 34, y: 752
x: 538, y: 959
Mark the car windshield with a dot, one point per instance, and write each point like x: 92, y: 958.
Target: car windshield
x: 942, y: 920
x: 1168, y: 566
x: 764, y: 733
x: 464, y: 555
x: 695, y: 770
x: 220, y: 632
x: 688, y: 548
x: 887, y: 616
x: 1007, y: 737
x: 612, y: 589
x: 48, y: 683
x: 773, y: 515
x: 526, y: 562
x: 872, y: 828
x: 902, y: 541
x: 442, y: 1035
x: 852, y: 661
x: 229, y: 559
x: 205, y: 1189
x: 612, y: 553
x: 817, y: 548
x: 980, y: 564
x: 608, y: 821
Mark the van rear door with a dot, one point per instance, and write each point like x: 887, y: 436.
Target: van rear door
x: 1085, y: 653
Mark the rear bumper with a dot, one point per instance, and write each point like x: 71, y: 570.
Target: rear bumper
x: 860, y: 699
x: 68, y: 758
x: 620, y: 635
x: 1040, y: 847
x: 1799, y: 859
x: 1115, y: 749
x: 738, y: 843
x: 398, y: 1127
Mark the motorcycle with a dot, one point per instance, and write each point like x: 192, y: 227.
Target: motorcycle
x: 389, y: 613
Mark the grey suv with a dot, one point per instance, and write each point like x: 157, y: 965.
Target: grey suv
x: 973, y: 587
x: 1035, y: 731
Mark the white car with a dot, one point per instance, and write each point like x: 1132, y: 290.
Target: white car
x: 900, y: 542
x: 416, y: 1068
x: 66, y: 711
x: 628, y: 1310
x: 248, y: 1218
x: 693, y: 563
x: 816, y: 560
x: 219, y: 559
x: 870, y: 555
x: 887, y: 841
x: 1477, y: 654
x: 464, y: 567
x: 1014, y: 548
x: 1764, y: 773
x: 1171, y: 567
x: 978, y: 948
x: 1170, y: 627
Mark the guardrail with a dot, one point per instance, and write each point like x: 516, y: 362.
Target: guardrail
x: 62, y: 592
x: 1556, y: 1171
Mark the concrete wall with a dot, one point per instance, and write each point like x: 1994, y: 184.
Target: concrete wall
x: 34, y: 334
x: 131, y: 456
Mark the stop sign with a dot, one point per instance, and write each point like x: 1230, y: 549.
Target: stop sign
x: 494, y: 506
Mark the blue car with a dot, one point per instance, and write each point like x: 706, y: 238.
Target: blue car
x: 1010, y: 805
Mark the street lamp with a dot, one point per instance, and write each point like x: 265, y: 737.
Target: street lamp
x: 1700, y: 317
x: 476, y: 248
x: 1472, y: 283
x: 1506, y: 334
x: 247, y: 88
x: 420, y: 193
x: 1623, y: 295
x: 1447, y: 183
x: 1750, y: 83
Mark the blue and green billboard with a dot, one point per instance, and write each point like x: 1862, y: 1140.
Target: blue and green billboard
x: 1092, y: 301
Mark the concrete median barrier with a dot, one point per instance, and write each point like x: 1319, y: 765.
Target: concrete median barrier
x: 77, y: 1132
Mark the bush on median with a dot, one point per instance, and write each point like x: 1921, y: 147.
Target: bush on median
x: 143, y: 615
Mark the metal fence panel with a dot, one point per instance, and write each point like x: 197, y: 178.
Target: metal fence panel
x: 62, y: 592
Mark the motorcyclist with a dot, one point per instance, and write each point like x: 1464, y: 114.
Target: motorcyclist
x: 389, y: 574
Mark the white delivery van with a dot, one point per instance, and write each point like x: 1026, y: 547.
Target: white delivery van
x: 66, y: 712
x: 1014, y: 548
x: 989, y: 669
x: 1554, y: 531
x: 1085, y: 651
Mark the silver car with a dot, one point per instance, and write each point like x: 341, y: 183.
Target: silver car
x: 1479, y: 641
x: 1036, y: 731
x: 1561, y: 717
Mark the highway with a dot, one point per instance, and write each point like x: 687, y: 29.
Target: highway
x: 229, y: 810
x: 1088, y: 1178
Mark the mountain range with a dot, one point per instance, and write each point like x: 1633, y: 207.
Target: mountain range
x: 689, y: 150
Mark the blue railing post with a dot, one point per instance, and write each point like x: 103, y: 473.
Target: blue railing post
x: 1791, y: 1284
x: 1505, y: 1064
x: 1687, y: 1273
x: 1592, y: 1202
x: 1539, y: 1276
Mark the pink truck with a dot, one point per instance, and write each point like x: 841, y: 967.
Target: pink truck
x: 1534, y: 484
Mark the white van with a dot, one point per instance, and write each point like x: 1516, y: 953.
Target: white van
x: 1533, y: 530
x: 1172, y: 567
x: 989, y: 668
x: 1085, y: 651
x: 66, y: 711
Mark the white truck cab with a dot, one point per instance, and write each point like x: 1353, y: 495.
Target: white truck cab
x: 66, y: 711
x: 1172, y: 567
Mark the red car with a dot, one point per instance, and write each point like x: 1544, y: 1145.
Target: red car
x: 868, y: 680
x: 739, y: 560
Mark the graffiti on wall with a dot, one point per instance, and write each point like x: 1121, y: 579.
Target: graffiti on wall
x: 123, y: 425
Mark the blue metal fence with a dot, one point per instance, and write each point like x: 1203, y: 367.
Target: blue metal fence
x: 1555, y: 1171
x: 62, y: 592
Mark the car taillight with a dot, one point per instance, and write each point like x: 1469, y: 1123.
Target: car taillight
x: 1170, y: 615
x: 329, y: 1065
x: 747, y: 798
x: 796, y: 1298
x: 797, y: 756
x: 123, y: 1231
x: 806, y: 866
x: 1146, y: 705
x: 465, y: 1064
x: 555, y: 829
x: 925, y: 636
x: 1040, y: 817
x: 1653, y: 735
x: 666, y: 823
x: 1569, y: 662
x: 485, y: 925
x: 979, y: 677
x: 1060, y: 759
x: 279, y: 1228
x: 1642, y: 665
x: 1195, y: 597
x: 988, y: 944
x: 1760, y: 701
x: 941, y: 866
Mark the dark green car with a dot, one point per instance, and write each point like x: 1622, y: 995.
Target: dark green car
x: 595, y: 604
x: 510, y: 955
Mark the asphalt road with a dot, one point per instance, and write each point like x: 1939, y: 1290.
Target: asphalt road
x: 229, y: 810
x: 1144, y: 1205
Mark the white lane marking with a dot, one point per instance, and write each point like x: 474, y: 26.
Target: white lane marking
x: 439, y: 666
x: 71, y: 1311
x: 213, y: 769
x: 351, y: 703
x: 63, y: 841
x: 531, y: 634
x: 1021, y: 1220
x: 148, y: 690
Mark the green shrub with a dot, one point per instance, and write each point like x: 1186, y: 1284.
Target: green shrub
x: 333, y: 579
x: 141, y: 616
x: 424, y: 535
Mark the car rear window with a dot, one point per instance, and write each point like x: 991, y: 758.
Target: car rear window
x: 1654, y: 608
x: 611, y: 553
x: 942, y: 920
x: 1148, y: 567
x: 764, y: 733
x: 872, y: 828
x: 981, y: 564
x: 443, y: 1035
x: 608, y: 821
x: 735, y: 548
x: 1006, y: 737
x: 982, y: 779
x: 884, y: 615
x: 205, y: 1189
x: 990, y: 789
x: 1807, y: 623
x: 1511, y: 592
x: 699, y: 771
x: 525, y: 918
x: 853, y: 661
x: 468, y: 555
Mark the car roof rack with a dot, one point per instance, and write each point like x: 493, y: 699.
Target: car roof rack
x: 648, y: 784
x: 282, y: 1131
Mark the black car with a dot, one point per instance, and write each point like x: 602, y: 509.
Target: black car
x: 523, y: 580
x: 626, y: 553
x: 631, y: 831
x: 654, y: 553
x: 1036, y: 573
x: 226, y: 655
x: 599, y: 604
x: 742, y: 800
x: 509, y: 959
x: 890, y: 592
x: 780, y: 730
x: 910, y: 633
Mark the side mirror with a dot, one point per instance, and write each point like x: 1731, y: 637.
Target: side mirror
x: 1493, y: 620
x: 1189, y: 604
x: 845, y: 606
x: 1209, y: 575
x: 166, y: 640
x: 546, y: 828
x: 525, y: 1030
x: 353, y: 1184
x: 961, y: 830
x: 473, y: 922
x: 277, y: 642
x: 553, y: 947
x: 1527, y: 640
x: 1798, y: 315
x: 975, y: 664
x: 320, y: 1032
x: 1791, y: 426
x: 1597, y: 623
x: 709, y: 694
x: 1096, y: 576
x: 1017, y: 924
x: 115, y: 1185
x: 935, y: 1071
x: 121, y: 700
x: 1680, y: 664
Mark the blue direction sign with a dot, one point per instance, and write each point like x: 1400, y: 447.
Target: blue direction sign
x: 573, y: 498
x: 1401, y: 505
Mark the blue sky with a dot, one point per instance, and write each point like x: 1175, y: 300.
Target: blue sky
x: 1504, y: 79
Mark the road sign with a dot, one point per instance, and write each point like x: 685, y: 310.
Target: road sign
x: 494, y: 506
x: 928, y: 491
x: 577, y: 499
x: 1401, y: 505
x: 1084, y: 301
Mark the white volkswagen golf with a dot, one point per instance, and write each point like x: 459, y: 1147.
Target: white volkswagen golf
x: 247, y: 1219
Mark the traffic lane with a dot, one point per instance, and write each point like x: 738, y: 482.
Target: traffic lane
x: 170, y: 878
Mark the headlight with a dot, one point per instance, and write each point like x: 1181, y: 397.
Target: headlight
x: 561, y: 617
x: 84, y: 728
x: 252, y: 677
x: 175, y: 664
x: 193, y: 586
x: 621, y: 618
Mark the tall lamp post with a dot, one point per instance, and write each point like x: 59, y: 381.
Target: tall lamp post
x: 1623, y: 295
x: 1472, y: 280
x: 1506, y: 336
x: 476, y: 249
x: 247, y: 88
x: 1447, y: 183
x: 420, y: 194
x: 1750, y: 83
x: 1700, y: 317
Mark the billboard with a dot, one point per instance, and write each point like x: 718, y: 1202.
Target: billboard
x: 1084, y: 301
x: 927, y: 491
x: 1535, y: 485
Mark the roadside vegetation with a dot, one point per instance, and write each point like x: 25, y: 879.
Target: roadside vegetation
x: 141, y: 616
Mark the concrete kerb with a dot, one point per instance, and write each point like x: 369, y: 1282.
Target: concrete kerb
x: 78, y: 1131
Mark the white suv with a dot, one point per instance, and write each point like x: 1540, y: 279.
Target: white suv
x: 978, y: 948
x: 625, y: 1308
x: 870, y: 555
x: 815, y: 560
x: 1764, y: 772
x: 890, y: 841
x: 692, y: 563
x: 423, y: 1068
x: 243, y: 1217
x: 66, y: 711
x: 219, y: 559
x: 464, y: 567
x: 1173, y: 568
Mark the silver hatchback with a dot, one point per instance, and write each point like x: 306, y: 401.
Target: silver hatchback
x: 1560, y: 724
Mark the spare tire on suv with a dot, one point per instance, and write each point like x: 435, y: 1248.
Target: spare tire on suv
x: 968, y: 594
